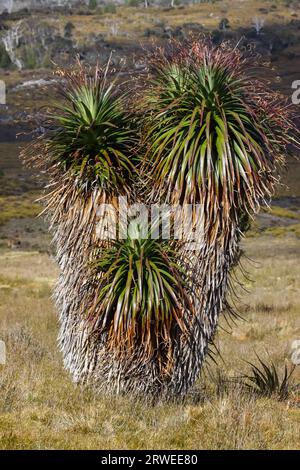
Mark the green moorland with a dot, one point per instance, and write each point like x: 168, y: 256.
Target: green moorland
x: 40, y: 408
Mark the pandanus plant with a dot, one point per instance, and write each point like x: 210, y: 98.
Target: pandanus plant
x: 139, y: 314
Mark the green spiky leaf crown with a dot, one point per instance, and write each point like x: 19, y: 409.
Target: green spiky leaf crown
x: 141, y: 296
x: 215, y: 134
x: 92, y: 139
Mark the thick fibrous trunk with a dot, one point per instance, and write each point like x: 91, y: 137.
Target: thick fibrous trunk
x: 210, y: 268
x: 73, y: 223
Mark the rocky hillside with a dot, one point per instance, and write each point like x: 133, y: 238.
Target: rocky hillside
x: 16, y: 5
x: 32, y: 41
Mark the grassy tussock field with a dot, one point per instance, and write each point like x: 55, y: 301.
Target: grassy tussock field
x: 40, y: 408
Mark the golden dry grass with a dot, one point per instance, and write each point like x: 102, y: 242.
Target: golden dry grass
x: 40, y: 408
